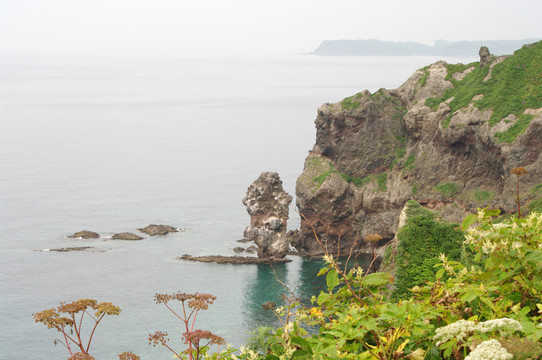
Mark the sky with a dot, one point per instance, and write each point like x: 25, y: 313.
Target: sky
x: 173, y: 28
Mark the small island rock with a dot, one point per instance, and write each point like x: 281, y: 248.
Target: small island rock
x: 158, y: 229
x: 126, y: 236
x: 85, y: 234
x: 267, y: 204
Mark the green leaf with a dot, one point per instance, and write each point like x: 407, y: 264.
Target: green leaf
x: 377, y: 279
x: 272, y: 357
x: 322, y: 271
x: 469, y: 296
x: 332, y: 279
x: 300, y: 354
x: 468, y: 221
x: 492, y: 212
x: 302, y: 343
x: 534, y: 257
x: 439, y: 273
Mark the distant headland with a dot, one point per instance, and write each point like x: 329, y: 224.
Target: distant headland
x: 373, y: 47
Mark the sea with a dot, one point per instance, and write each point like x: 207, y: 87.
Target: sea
x: 113, y: 145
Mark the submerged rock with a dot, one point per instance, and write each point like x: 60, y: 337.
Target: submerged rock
x: 153, y: 230
x: 67, y: 249
x: 219, y: 259
x: 126, y: 236
x: 251, y: 249
x: 267, y: 204
x: 85, y: 234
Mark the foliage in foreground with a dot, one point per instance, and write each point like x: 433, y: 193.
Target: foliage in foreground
x: 480, y: 311
x: 488, y: 308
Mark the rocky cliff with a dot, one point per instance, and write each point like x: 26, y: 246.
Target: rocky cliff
x: 447, y: 138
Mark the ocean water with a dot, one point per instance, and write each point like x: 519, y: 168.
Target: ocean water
x: 115, y: 145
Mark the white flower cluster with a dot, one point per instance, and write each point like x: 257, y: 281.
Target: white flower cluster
x: 489, y: 350
x: 463, y: 329
x: 489, y: 243
x: 459, y: 330
x: 505, y: 325
x: 250, y: 354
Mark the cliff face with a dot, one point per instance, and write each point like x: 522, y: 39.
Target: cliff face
x: 447, y: 138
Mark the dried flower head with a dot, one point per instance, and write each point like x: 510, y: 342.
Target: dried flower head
x: 128, y: 355
x: 158, y: 337
x: 270, y: 305
x: 518, y: 171
x: 196, y: 336
x: 80, y: 356
x: 106, y: 308
x: 373, y: 237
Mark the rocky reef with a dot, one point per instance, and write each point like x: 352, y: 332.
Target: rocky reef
x: 447, y: 138
x: 267, y: 204
x: 153, y: 230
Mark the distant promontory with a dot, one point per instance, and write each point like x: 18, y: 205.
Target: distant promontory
x: 372, y: 47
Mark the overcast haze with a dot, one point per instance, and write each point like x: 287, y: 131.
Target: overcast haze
x: 172, y: 28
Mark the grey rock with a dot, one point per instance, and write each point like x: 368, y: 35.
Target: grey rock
x: 85, y: 234
x: 126, y: 236
x: 485, y: 56
x: 267, y: 204
x: 251, y: 249
x: 153, y: 230
x: 238, y: 249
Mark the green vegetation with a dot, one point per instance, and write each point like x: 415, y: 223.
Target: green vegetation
x: 515, y: 85
x: 421, y: 241
x: 414, y: 189
x: 326, y: 168
x: 423, y: 79
x: 319, y: 180
x: 447, y: 188
x: 483, y: 195
x: 359, y: 182
x: 519, y: 127
x: 536, y: 204
x: 457, y: 68
x: 381, y: 180
x: 409, y: 163
x: 485, y: 308
x: 352, y: 102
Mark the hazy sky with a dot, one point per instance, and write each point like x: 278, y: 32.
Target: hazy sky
x: 181, y: 27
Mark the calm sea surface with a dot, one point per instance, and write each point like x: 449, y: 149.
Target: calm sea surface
x: 111, y: 146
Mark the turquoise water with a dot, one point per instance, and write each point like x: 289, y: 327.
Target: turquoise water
x: 111, y: 146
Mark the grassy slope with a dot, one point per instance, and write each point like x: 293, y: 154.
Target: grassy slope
x: 515, y: 85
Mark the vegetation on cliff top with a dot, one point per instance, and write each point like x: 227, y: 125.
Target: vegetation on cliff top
x: 515, y: 84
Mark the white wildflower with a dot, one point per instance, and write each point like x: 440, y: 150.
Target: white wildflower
x: 460, y: 330
x: 328, y: 259
x: 358, y: 271
x: 251, y: 353
x: 469, y: 239
x: 489, y: 350
x: 488, y: 246
x: 504, y: 325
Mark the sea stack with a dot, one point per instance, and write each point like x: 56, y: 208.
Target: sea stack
x: 267, y: 204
